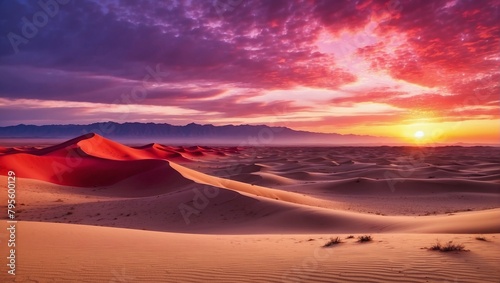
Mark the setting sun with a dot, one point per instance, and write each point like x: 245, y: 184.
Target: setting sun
x: 419, y: 134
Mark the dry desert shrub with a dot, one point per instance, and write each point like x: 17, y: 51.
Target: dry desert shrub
x: 449, y: 247
x: 333, y: 241
x: 365, y: 238
x: 481, y: 238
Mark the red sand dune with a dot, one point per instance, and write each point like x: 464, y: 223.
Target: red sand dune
x: 89, y: 161
x: 93, y: 161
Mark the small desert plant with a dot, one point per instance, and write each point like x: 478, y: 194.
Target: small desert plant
x: 333, y: 241
x: 365, y: 238
x: 436, y: 247
x: 453, y: 247
x: 481, y: 238
x: 350, y: 237
x: 449, y: 247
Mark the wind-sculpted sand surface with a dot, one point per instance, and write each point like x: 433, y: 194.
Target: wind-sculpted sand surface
x: 246, y: 214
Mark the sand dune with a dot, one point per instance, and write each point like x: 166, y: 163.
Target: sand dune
x: 89, y: 161
x: 242, y: 187
x: 155, y: 150
x: 118, y: 172
x: 233, y: 210
x: 86, y: 171
x: 248, y: 198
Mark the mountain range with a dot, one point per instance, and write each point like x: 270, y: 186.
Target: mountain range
x: 190, y: 133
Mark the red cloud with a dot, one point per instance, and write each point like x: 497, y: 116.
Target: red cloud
x: 257, y: 46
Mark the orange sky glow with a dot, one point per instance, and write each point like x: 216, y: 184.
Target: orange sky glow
x: 381, y: 68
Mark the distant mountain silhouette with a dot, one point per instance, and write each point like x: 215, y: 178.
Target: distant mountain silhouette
x: 191, y: 133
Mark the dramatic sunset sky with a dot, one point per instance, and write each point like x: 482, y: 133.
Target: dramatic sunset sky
x: 427, y: 70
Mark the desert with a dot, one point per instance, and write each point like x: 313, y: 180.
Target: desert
x: 94, y: 210
x: 249, y: 141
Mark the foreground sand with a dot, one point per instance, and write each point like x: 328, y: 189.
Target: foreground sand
x: 55, y: 252
x: 229, y: 214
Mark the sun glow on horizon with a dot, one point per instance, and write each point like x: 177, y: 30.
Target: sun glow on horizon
x: 419, y: 134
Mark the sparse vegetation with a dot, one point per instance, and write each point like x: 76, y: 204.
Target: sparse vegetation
x: 449, y: 247
x: 435, y: 247
x: 481, y: 238
x: 365, y: 238
x: 333, y: 241
x: 350, y: 237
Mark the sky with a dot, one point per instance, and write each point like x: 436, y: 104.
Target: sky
x: 417, y: 71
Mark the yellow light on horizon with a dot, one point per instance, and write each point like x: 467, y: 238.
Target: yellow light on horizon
x: 419, y: 134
